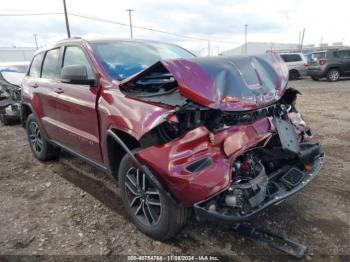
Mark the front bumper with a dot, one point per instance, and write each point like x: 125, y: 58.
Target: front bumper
x: 203, y: 212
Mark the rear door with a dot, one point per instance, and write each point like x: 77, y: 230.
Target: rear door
x: 42, y: 79
x: 76, y: 109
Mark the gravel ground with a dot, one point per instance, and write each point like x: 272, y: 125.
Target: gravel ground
x: 69, y: 208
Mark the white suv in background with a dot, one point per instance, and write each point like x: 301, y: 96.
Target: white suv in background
x: 297, y: 64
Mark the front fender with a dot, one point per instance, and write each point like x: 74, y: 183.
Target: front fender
x: 193, y: 168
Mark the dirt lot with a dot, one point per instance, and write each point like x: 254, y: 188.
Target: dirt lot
x: 68, y: 208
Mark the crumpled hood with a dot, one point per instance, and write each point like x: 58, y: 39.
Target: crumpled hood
x: 232, y: 83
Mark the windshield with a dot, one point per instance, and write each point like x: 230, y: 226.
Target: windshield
x: 125, y: 58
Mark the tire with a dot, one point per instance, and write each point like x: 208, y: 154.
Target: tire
x: 41, y: 148
x: 4, y: 120
x: 152, y: 213
x: 293, y: 75
x: 315, y: 78
x: 333, y: 75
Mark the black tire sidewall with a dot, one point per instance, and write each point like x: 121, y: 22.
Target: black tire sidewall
x: 42, y: 156
x: 159, y: 231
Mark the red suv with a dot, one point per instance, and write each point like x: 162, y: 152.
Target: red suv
x: 219, y: 136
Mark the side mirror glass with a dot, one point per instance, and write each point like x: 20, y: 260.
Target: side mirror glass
x: 76, y: 74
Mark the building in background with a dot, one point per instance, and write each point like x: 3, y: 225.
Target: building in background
x: 16, y: 54
x: 254, y: 48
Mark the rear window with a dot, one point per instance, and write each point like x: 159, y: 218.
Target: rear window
x: 35, y: 68
x: 291, y: 57
x: 51, y: 64
x: 319, y: 55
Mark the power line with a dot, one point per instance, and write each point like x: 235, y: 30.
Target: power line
x: 124, y: 24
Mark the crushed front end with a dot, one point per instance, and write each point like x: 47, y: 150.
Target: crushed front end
x: 10, y: 97
x: 232, y: 142
x: 261, y: 177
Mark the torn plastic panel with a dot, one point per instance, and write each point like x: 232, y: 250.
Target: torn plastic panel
x: 191, y: 116
x: 224, y: 83
x: 244, y: 202
x: 265, y: 175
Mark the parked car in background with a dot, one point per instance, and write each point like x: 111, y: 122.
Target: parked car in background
x: 220, y: 136
x: 297, y: 64
x: 331, y: 64
x: 11, y: 76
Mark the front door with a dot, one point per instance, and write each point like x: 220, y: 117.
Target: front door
x: 76, y: 110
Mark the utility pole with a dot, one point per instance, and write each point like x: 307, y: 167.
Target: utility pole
x: 299, y: 40
x: 245, y: 38
x: 208, y: 48
x: 36, y: 41
x: 302, y: 41
x: 66, y: 17
x: 130, y: 21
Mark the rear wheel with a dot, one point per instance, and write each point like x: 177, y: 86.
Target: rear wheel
x: 315, y: 78
x: 293, y: 74
x: 152, y: 212
x: 42, y: 149
x: 333, y: 75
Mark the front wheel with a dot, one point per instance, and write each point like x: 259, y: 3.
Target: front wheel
x: 315, y: 78
x: 293, y: 75
x: 152, y: 212
x: 42, y: 149
x: 333, y: 75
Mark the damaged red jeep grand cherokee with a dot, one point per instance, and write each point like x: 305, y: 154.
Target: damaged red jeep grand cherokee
x: 217, y: 135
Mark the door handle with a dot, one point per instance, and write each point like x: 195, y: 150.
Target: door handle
x: 35, y: 85
x: 58, y: 90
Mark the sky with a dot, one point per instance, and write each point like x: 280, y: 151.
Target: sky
x: 216, y: 20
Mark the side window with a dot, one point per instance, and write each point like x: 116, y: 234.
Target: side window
x: 347, y: 54
x: 291, y: 58
x: 285, y: 58
x: 295, y: 58
x: 75, y: 56
x: 35, y: 68
x: 51, y: 64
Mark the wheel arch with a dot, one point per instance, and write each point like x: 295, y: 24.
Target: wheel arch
x: 26, y: 110
x: 294, y: 70
x: 334, y: 67
x: 116, y: 151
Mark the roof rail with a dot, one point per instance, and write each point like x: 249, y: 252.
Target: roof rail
x: 71, y: 38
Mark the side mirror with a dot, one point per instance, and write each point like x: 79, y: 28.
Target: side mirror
x: 76, y: 74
